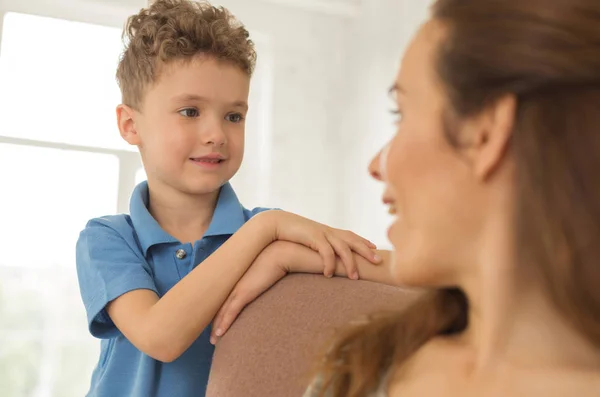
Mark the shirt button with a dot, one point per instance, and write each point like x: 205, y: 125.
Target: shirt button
x: 180, y: 254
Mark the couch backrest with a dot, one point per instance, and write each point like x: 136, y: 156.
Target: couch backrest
x: 271, y: 348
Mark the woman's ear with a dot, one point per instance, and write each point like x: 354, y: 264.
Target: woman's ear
x: 490, y: 135
x: 126, y: 123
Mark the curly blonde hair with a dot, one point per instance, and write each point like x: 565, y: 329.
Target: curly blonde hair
x: 178, y: 30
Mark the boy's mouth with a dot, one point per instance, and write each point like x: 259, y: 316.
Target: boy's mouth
x: 214, y: 158
x: 207, y: 160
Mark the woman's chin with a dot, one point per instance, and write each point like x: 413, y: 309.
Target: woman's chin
x: 403, y: 264
x: 391, y: 232
x: 395, y: 235
x: 404, y: 269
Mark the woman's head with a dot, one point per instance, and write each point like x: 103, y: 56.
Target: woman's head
x: 446, y: 194
x: 499, y: 138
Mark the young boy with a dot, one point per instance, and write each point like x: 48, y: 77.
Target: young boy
x: 153, y: 281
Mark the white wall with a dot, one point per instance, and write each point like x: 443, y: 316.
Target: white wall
x: 374, y: 47
x: 307, y: 55
x: 304, y: 62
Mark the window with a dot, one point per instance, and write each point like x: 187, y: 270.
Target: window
x: 45, y: 344
x: 62, y: 89
x: 63, y: 162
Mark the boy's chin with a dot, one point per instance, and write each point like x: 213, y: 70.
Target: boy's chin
x: 203, y: 187
x: 197, y: 186
x: 201, y: 183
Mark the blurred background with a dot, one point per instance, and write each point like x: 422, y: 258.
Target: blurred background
x: 319, y: 111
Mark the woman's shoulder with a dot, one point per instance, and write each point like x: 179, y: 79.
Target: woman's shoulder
x: 432, y: 365
x: 428, y: 356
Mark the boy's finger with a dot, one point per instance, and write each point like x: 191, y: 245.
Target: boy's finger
x: 351, y: 236
x: 369, y: 243
x: 218, y: 321
x: 343, y: 250
x: 366, y: 252
x: 229, y: 317
x: 328, y: 255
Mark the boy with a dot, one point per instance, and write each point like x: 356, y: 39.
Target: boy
x: 153, y: 281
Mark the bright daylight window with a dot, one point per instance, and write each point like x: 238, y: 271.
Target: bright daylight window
x: 62, y: 163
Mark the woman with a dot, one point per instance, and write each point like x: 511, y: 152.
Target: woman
x: 493, y: 177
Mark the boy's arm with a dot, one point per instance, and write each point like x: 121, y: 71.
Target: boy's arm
x: 113, y: 279
x: 296, y: 258
x: 164, y: 328
x: 280, y: 258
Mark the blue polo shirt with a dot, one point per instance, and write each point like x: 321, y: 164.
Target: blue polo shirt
x: 120, y: 253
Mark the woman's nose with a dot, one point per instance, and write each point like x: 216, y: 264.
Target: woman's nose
x: 375, y: 167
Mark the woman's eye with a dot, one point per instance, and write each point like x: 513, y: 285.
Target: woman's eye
x: 189, y: 112
x: 234, y: 117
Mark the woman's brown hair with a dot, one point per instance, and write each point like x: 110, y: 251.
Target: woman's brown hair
x: 547, y: 54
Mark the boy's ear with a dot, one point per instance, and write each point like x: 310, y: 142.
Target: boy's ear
x: 126, y: 122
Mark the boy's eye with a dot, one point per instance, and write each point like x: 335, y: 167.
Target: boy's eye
x: 189, y: 112
x: 234, y: 117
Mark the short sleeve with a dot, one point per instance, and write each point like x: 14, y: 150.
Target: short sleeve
x: 108, y: 266
x: 258, y: 210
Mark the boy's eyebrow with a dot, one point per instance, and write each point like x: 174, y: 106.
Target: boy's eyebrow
x: 199, y: 98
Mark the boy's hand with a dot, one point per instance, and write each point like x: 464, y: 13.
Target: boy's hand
x: 327, y: 241
x: 267, y: 269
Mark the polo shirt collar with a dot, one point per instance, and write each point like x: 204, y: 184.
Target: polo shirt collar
x: 228, y: 217
x: 229, y: 214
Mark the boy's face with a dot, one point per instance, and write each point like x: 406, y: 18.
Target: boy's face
x: 190, y: 131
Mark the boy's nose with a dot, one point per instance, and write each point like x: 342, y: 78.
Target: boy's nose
x: 217, y: 139
x: 213, y: 133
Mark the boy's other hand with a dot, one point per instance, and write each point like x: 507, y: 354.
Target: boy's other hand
x: 267, y: 269
x: 327, y: 241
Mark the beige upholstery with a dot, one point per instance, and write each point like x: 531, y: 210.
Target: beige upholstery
x: 271, y: 347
